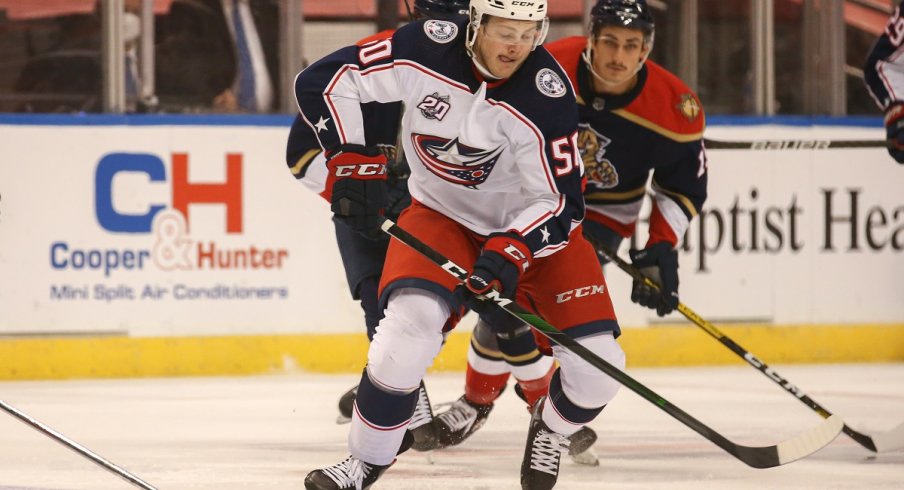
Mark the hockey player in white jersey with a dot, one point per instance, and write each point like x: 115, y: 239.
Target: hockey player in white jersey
x: 490, y: 131
x: 883, y: 74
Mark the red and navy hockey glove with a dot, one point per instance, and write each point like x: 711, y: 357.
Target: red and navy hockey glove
x: 356, y: 187
x: 894, y: 131
x: 503, y: 259
x: 659, y: 262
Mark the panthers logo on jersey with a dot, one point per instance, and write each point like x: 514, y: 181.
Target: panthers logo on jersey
x: 689, y: 107
x: 592, y: 146
x: 453, y: 161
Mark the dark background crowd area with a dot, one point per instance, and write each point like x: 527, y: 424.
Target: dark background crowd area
x: 53, y: 64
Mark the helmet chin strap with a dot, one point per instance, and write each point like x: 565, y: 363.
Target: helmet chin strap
x: 484, y: 70
x: 470, y: 41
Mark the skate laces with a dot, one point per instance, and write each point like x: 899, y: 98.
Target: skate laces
x: 546, y: 450
x: 460, y: 416
x: 423, y: 414
x: 350, y: 472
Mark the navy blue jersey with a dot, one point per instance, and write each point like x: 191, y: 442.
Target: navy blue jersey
x: 655, y: 127
x: 381, y: 127
x: 362, y: 257
x: 493, y: 156
x: 884, y: 68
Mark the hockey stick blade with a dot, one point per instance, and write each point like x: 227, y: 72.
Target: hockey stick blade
x: 758, y: 457
x: 892, y: 440
x: 883, y: 442
x: 107, y: 465
x: 771, y: 145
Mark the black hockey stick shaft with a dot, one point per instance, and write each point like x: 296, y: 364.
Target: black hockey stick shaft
x: 863, y: 439
x: 134, y: 480
x: 797, y: 144
x: 757, y: 457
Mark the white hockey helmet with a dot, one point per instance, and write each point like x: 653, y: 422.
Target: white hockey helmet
x: 535, y: 10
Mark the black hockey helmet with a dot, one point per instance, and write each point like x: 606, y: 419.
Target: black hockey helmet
x: 633, y: 14
x: 440, y: 9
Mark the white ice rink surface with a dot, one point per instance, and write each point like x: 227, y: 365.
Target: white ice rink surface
x: 267, y: 432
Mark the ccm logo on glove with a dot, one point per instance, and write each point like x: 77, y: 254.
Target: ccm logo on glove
x: 361, y: 170
x: 517, y: 255
x: 356, y: 188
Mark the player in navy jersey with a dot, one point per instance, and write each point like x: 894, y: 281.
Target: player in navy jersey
x: 635, y: 118
x: 884, y: 77
x: 495, y: 183
x: 513, y: 344
x: 363, y: 256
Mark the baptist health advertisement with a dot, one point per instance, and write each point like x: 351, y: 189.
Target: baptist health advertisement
x: 181, y: 229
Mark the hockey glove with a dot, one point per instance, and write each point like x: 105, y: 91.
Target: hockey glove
x: 894, y: 131
x: 503, y: 259
x: 659, y: 263
x: 356, y: 187
x: 399, y: 197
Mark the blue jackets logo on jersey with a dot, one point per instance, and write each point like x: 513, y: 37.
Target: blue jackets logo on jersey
x: 453, y: 161
x: 440, y: 31
x: 550, y: 83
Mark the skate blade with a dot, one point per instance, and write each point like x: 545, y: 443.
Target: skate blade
x: 587, y: 458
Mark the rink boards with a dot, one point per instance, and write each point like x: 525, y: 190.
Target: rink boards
x: 133, y: 246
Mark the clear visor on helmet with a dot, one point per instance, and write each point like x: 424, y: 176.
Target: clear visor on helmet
x: 514, y: 33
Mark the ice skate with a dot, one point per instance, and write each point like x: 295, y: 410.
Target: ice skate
x: 422, y: 423
x: 461, y: 420
x: 581, y: 447
x: 346, y: 405
x: 350, y: 474
x: 542, y: 454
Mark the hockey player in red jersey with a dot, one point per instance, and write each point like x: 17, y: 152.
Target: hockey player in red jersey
x: 495, y: 183
x: 635, y: 118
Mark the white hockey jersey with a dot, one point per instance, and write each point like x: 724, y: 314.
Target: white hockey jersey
x: 492, y: 156
x: 883, y: 72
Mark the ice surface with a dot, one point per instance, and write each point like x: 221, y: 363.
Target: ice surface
x: 267, y: 432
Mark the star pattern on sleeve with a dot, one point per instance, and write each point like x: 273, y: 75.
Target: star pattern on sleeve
x: 321, y: 124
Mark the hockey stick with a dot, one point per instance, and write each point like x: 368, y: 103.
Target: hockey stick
x: 814, y: 144
x: 888, y: 441
x: 758, y: 457
x: 134, y: 480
